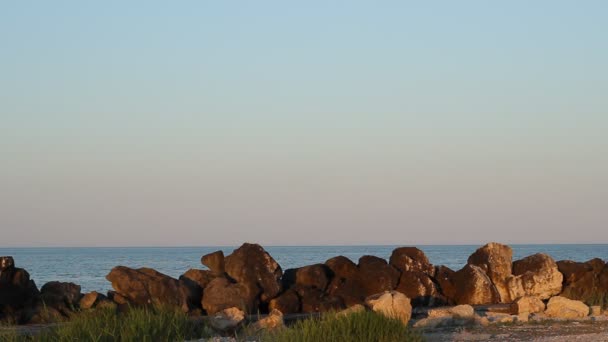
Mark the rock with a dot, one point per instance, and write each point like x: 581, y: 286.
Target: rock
x: 117, y: 298
x: 342, y: 267
x: 391, y: 304
x: 535, y: 275
x: 420, y: 288
x: 145, y: 286
x: 17, y: 290
x: 91, y: 299
x: 314, y: 300
x: 411, y: 259
x: 61, y: 296
x: 351, y: 310
x: 458, y: 311
x: 495, y: 317
x: 215, y: 262
x: 562, y: 307
x: 345, y: 282
x: 443, y: 277
x: 472, y: 286
x: 495, y: 260
x: 251, y: 266
x: 273, y: 321
x: 227, y: 320
x: 528, y: 304
x: 375, y: 275
x: 287, y: 302
x: 221, y: 294
x: 194, y: 282
x: 350, y: 291
x: 314, y: 276
x: 523, y: 317
x: 584, y: 281
x: 596, y: 310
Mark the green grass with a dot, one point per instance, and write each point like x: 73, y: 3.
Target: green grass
x: 356, y: 327
x: 137, y: 324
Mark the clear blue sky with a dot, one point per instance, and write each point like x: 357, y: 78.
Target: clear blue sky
x: 322, y: 122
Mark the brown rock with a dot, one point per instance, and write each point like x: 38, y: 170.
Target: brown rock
x: 375, y: 275
x: 349, y: 291
x: 342, y: 267
x: 273, y: 321
x: 535, y: 275
x: 495, y: 260
x: 443, y: 277
x: 194, y: 282
x: 215, y: 262
x: 472, y: 286
x: 411, y: 259
x: 391, y: 304
x: 227, y: 320
x: 287, y: 302
x: 314, y: 300
x: 562, y: 307
x: 420, y: 288
x: 315, y: 276
x: 251, y: 266
x: 145, y: 286
x: 91, y: 300
x: 584, y: 280
x: 222, y: 294
x: 528, y: 304
x: 458, y: 311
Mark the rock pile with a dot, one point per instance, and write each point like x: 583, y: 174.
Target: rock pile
x: 251, y: 281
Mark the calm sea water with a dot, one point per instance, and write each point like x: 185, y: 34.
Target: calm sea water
x: 89, y: 266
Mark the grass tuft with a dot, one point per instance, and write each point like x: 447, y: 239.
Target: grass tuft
x: 137, y: 324
x: 356, y: 327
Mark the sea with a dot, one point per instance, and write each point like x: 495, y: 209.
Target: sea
x: 88, y: 267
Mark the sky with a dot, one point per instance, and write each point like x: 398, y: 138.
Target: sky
x: 203, y: 123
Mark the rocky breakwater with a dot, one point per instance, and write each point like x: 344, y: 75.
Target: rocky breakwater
x: 250, y: 281
x: 22, y: 302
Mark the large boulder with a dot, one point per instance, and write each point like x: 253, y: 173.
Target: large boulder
x: 495, y: 259
x: 420, y: 288
x: 375, y: 275
x: 411, y: 259
x: 145, y: 286
x: 458, y: 311
x: 562, y: 307
x: 473, y: 286
x: 251, y: 266
x: 391, y: 304
x: 584, y: 280
x: 535, y: 275
x: 345, y: 282
x: 315, y: 276
x: 342, y: 267
x: 63, y: 297
x: 222, y: 293
x: 16, y: 288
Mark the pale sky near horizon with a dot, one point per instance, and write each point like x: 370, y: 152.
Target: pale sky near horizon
x: 144, y: 123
